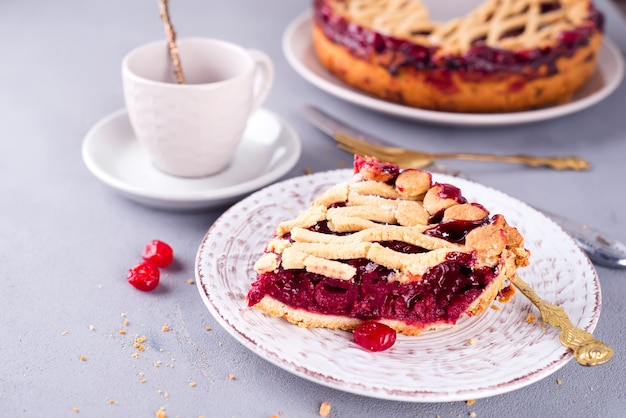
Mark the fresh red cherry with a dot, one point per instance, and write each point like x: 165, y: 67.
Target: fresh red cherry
x: 374, y: 336
x: 144, y: 276
x: 158, y: 253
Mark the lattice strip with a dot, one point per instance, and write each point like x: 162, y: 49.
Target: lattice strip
x: 508, y: 24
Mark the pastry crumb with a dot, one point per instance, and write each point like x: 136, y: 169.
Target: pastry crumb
x: 112, y: 402
x: 192, y: 384
x: 165, y: 328
x: 92, y: 327
x: 160, y: 413
x: 138, y: 341
x: 308, y: 171
x: 471, y: 401
x: 75, y: 410
x: 135, y: 355
x: 64, y: 333
x: 472, y: 414
x: 191, y: 281
x: 325, y: 408
x: 83, y: 358
x: 122, y: 314
x: 495, y: 307
x: 157, y: 363
x: 122, y: 332
x: 231, y: 376
x: 531, y: 319
x: 472, y: 341
x: 143, y: 380
x: 506, y: 294
x: 559, y: 382
x: 126, y: 322
x: 207, y: 328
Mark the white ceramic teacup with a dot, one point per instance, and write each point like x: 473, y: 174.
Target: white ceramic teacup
x: 193, y: 129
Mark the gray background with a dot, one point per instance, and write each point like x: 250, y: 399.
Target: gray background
x: 66, y: 240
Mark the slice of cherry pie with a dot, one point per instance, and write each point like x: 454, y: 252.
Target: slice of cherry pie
x: 389, y: 246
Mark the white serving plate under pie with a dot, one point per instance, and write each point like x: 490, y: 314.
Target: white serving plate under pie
x: 437, y: 366
x: 268, y: 150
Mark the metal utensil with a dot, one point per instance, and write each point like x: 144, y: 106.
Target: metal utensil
x: 351, y: 137
x: 416, y: 159
x: 601, y: 249
x: 587, y: 350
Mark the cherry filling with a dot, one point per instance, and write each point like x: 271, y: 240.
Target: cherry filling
x: 455, y: 230
x: 444, y: 293
x: 449, y: 191
x: 480, y: 62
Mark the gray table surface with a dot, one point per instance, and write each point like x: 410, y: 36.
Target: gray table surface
x: 66, y: 240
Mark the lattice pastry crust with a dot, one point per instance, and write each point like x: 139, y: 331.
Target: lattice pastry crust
x: 372, y: 218
x: 507, y: 24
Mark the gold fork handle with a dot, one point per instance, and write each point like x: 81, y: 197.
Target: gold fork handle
x: 587, y: 350
x: 559, y: 163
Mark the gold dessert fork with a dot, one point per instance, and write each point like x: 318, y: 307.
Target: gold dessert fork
x: 418, y: 159
x: 587, y: 350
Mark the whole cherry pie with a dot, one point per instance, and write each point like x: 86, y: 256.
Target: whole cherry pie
x: 506, y: 55
x: 389, y: 246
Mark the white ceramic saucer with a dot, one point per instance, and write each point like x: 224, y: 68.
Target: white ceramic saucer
x: 268, y: 150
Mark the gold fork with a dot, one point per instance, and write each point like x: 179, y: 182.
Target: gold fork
x: 418, y: 159
x: 587, y: 350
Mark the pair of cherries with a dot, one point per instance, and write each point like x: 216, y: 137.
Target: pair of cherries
x: 145, y: 276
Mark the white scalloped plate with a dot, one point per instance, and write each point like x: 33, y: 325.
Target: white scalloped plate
x: 436, y: 366
x: 298, y: 49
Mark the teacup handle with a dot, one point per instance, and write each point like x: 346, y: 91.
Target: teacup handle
x: 264, y: 77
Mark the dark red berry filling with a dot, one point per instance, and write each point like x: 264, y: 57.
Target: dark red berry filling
x: 445, y: 292
x: 479, y: 63
x: 455, y: 230
x: 449, y: 191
